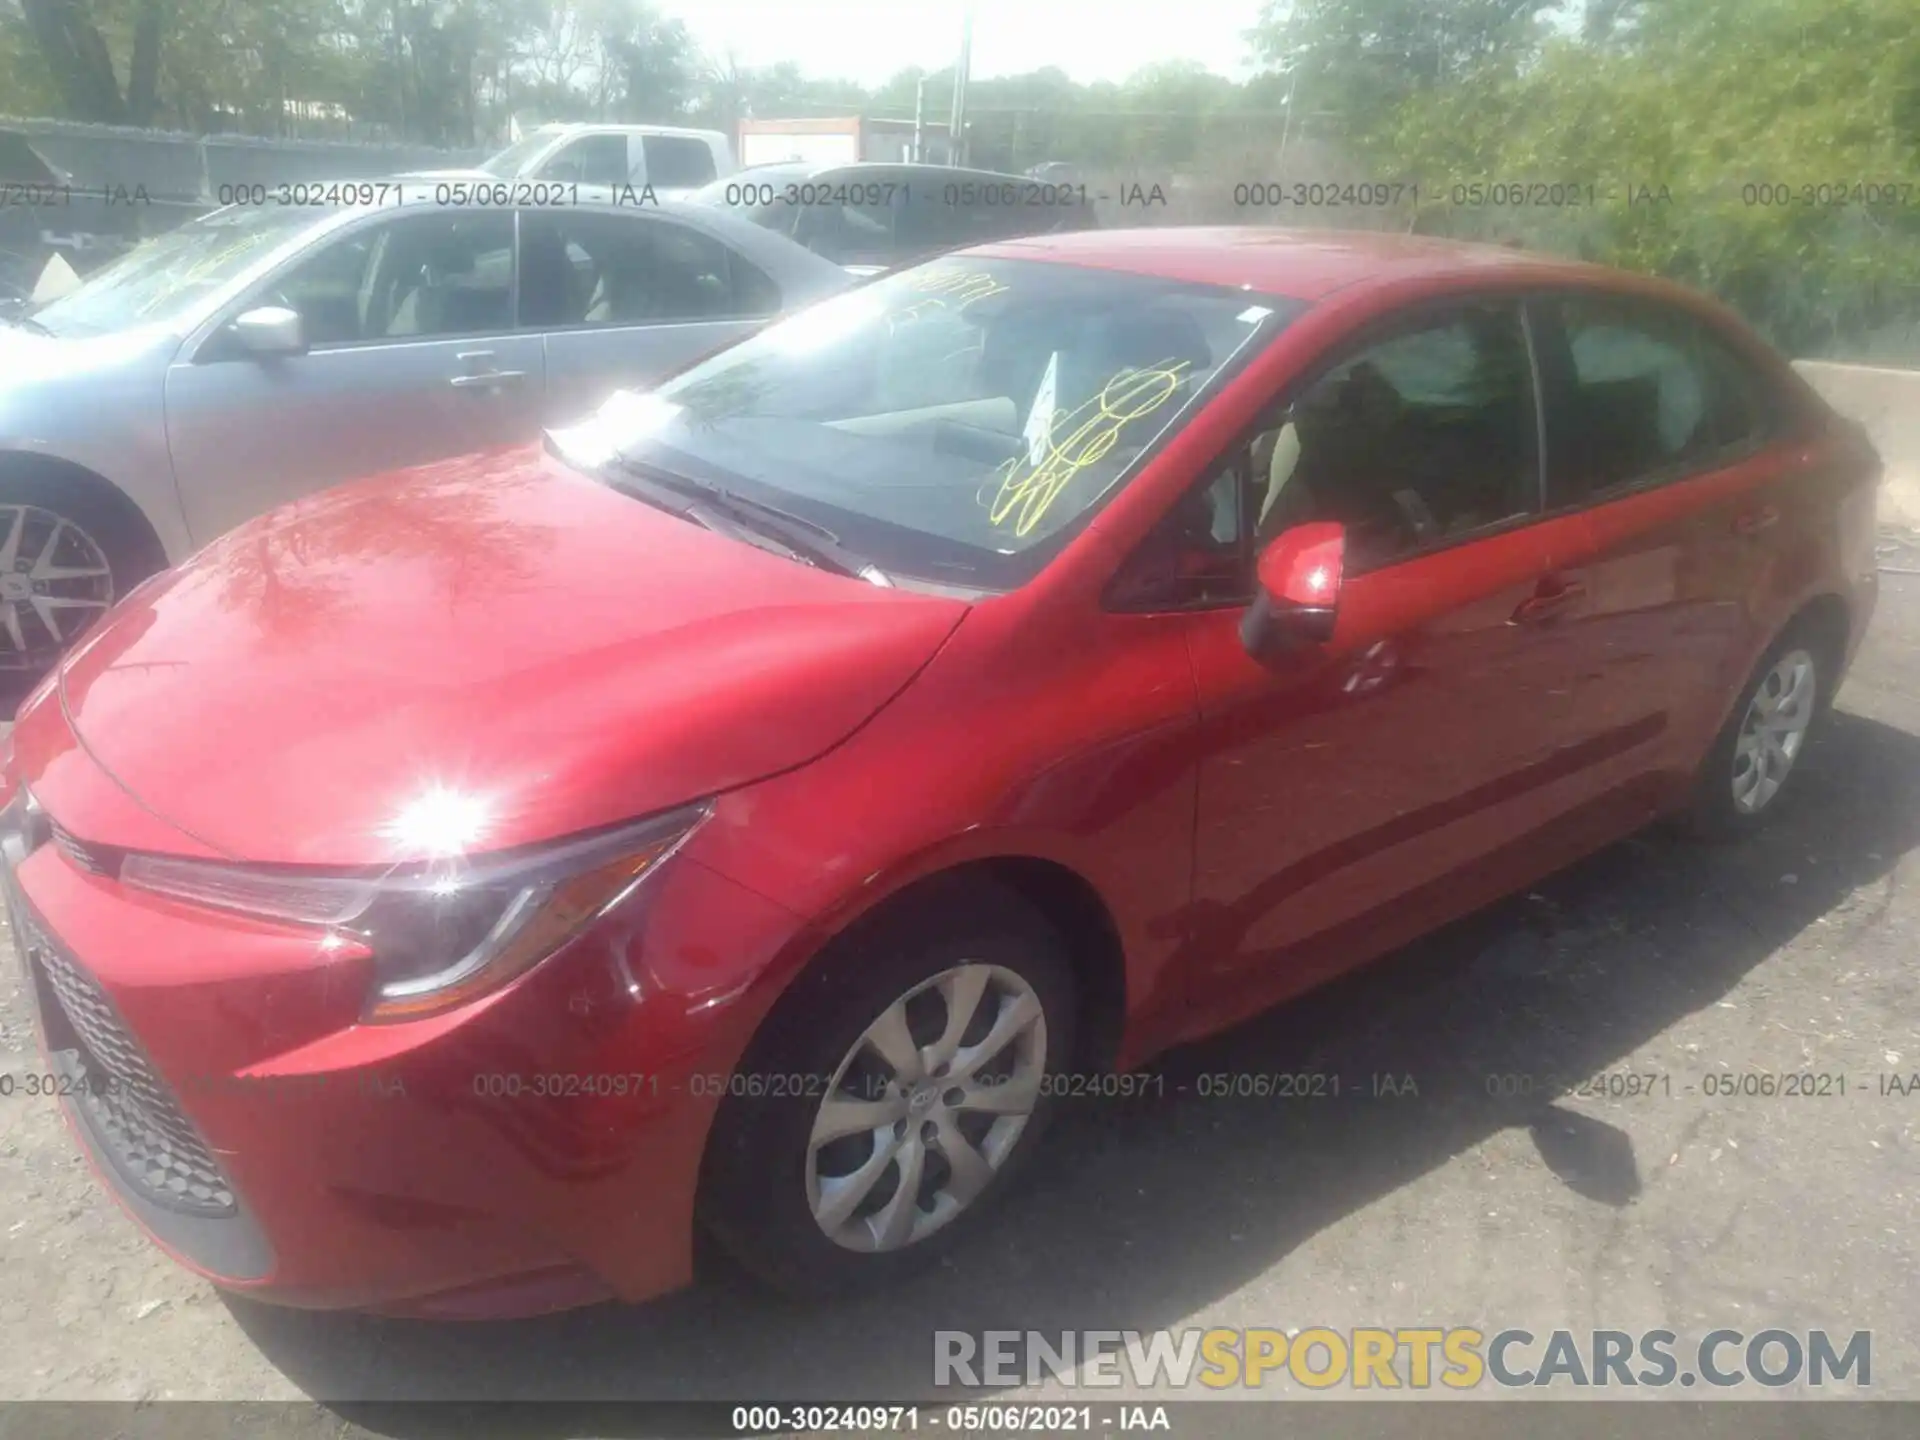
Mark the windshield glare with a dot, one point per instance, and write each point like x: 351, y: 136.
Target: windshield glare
x: 949, y: 422
x: 159, y: 278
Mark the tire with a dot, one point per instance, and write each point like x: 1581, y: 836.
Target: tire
x: 49, y: 522
x: 1726, y: 803
x: 765, y: 1174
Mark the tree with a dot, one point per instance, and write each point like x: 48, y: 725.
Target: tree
x: 75, y: 53
x: 1706, y: 102
x: 1357, y: 60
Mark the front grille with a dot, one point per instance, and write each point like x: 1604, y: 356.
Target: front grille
x: 150, y: 1142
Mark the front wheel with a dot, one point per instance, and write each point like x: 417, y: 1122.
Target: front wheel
x: 1744, y: 775
x: 64, y: 560
x: 906, y: 1077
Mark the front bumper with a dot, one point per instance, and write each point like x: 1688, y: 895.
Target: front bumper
x: 536, y: 1149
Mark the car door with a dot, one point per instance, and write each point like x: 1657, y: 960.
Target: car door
x: 622, y: 299
x: 411, y: 356
x: 1664, y: 437
x: 1349, y: 797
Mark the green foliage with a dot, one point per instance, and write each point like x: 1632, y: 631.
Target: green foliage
x: 1693, y: 99
x: 1711, y: 100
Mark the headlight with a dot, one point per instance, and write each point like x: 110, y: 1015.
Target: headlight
x: 441, y: 935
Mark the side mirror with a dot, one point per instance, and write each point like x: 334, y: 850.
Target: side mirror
x: 270, y: 330
x: 1299, y: 592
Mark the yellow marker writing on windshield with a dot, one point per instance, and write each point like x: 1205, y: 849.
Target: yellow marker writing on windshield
x: 964, y: 286
x: 1027, y: 489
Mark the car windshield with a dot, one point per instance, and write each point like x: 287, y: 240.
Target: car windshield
x: 950, y: 423
x: 508, y: 163
x: 159, y: 278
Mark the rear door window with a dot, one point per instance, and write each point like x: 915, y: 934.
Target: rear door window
x: 1740, y: 407
x: 583, y: 267
x: 677, y: 162
x: 1634, y: 404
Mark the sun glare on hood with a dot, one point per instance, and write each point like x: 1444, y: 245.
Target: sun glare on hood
x: 441, y: 823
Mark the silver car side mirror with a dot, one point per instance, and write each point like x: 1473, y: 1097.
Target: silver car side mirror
x: 271, y: 330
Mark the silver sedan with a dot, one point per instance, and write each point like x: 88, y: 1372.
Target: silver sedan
x: 264, y: 351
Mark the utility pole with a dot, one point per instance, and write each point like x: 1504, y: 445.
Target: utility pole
x: 957, y: 122
x: 1286, y: 130
x: 920, y: 121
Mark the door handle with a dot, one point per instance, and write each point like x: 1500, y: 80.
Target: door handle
x: 486, y: 378
x: 1549, y: 601
x: 1752, y: 522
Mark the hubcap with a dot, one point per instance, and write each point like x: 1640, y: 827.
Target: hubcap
x: 1773, y: 731
x: 54, y: 583
x: 926, y: 1107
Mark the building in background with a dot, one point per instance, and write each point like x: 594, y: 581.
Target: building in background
x: 841, y: 141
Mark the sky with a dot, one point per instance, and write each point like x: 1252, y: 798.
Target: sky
x: 869, y: 40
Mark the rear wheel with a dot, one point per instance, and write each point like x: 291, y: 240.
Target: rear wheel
x: 903, y: 1081
x: 65, y: 558
x: 1757, y: 754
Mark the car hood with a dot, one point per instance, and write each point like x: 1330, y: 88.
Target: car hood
x: 496, y: 633
x: 29, y: 359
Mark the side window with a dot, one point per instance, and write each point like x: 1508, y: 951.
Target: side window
x: 412, y: 279
x: 929, y: 225
x: 1426, y: 434
x: 327, y: 289
x: 850, y: 234
x: 1737, y: 407
x: 692, y: 275
x: 754, y: 292
x: 677, y: 162
x: 582, y: 267
x: 1197, y: 556
x: 590, y: 160
x: 1637, y: 403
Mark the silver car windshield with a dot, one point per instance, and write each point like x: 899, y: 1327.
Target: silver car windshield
x: 161, y: 277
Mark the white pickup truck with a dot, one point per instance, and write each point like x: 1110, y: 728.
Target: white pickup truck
x: 671, y: 160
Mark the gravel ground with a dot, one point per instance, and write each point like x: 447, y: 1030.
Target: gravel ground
x: 1449, y: 1207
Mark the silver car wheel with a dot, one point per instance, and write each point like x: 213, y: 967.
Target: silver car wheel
x: 1773, y: 731
x: 926, y: 1108
x: 54, y: 582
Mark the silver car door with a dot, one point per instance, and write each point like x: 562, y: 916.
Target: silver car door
x: 627, y: 298
x: 410, y: 356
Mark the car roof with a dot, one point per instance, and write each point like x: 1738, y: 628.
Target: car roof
x: 1303, y: 265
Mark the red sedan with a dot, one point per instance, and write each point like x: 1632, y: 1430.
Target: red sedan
x: 756, y: 808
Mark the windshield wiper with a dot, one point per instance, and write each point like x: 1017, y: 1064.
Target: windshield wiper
x: 27, y: 322
x: 805, y: 539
